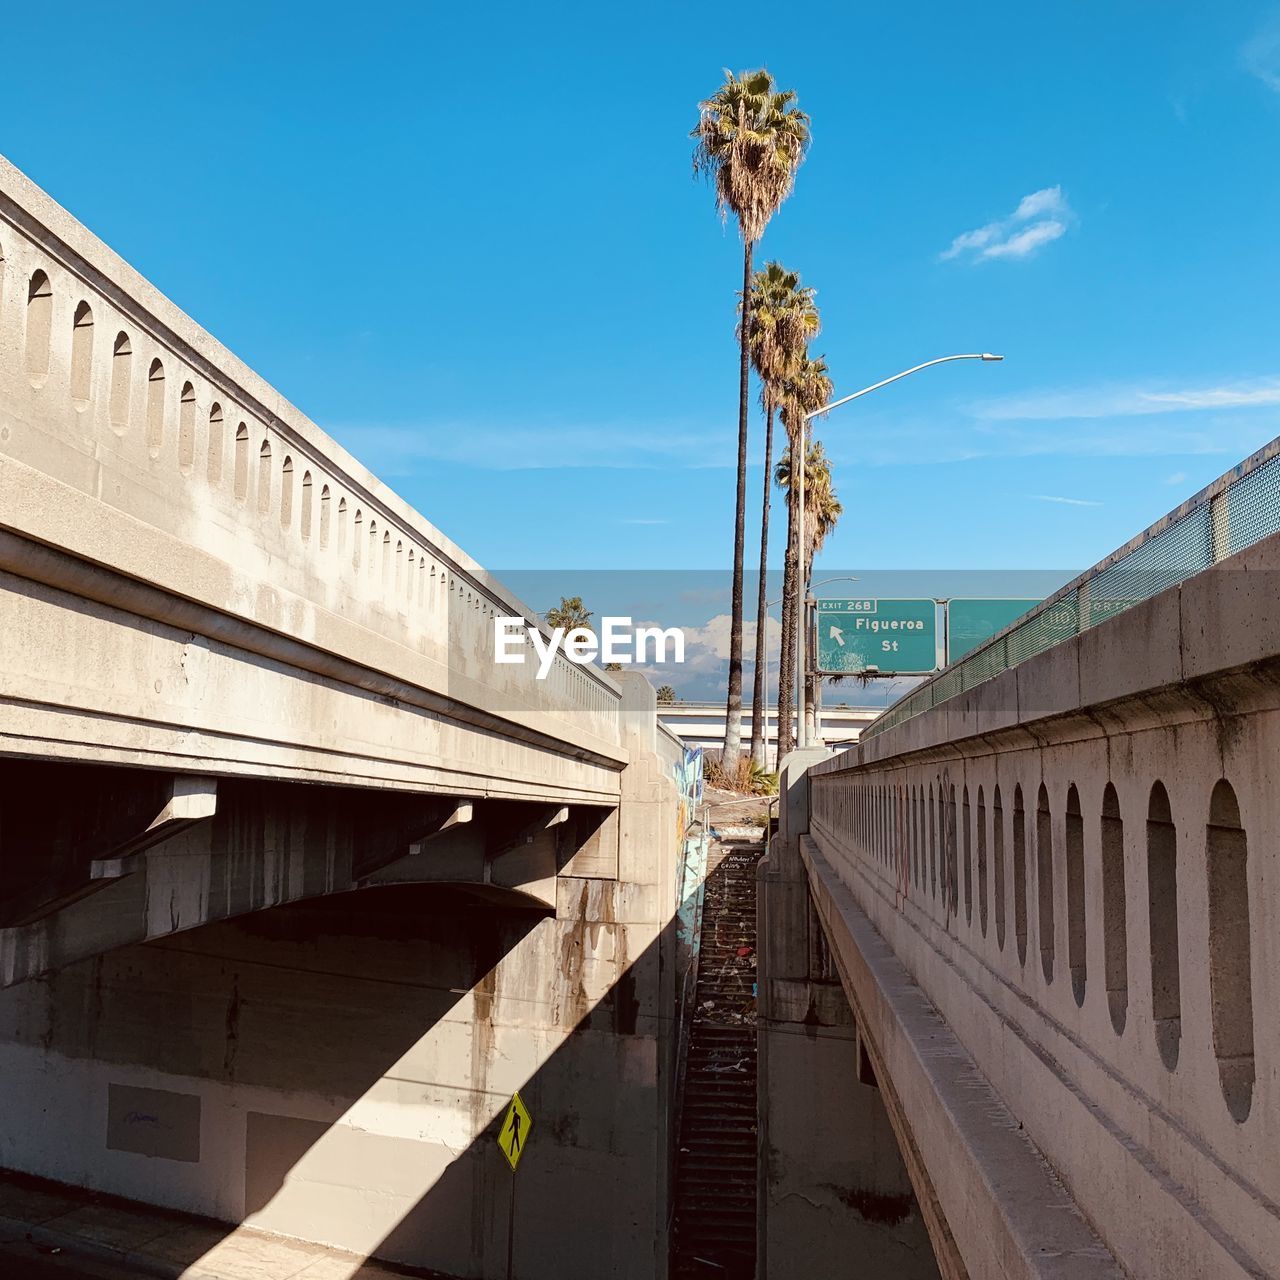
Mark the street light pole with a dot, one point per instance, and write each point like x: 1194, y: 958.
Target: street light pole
x: 778, y: 705
x: 801, y: 623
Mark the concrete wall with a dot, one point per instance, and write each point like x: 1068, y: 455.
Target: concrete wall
x: 1066, y: 875
x: 191, y: 571
x: 835, y: 1196
x: 336, y: 1069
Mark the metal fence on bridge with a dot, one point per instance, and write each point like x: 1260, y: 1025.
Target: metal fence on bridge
x: 1235, y: 511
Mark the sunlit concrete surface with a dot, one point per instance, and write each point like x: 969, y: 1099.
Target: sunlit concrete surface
x: 1051, y: 903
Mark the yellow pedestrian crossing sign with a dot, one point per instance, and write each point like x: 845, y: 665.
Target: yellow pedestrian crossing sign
x: 514, y: 1133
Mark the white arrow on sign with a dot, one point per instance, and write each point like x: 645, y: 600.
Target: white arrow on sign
x: 838, y: 636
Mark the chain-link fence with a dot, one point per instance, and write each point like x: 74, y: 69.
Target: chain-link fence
x: 1232, y: 513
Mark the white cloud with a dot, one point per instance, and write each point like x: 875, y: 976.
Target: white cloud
x: 1040, y: 218
x: 708, y: 644
x: 704, y: 671
x: 1261, y: 55
x: 1018, y: 246
x: 1178, y: 477
x: 991, y: 431
x: 1126, y: 401
x: 1070, y: 502
x: 405, y: 450
x: 1038, y: 203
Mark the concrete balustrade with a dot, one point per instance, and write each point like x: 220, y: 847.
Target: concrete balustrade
x: 130, y: 438
x: 327, y: 883
x: 1075, y: 864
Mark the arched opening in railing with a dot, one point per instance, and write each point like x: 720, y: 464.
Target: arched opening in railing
x: 1230, y: 953
x: 155, y: 408
x: 933, y: 846
x: 1115, y: 911
x: 326, y: 517
x: 1077, y: 958
x: 216, y: 443
x: 242, y: 463
x: 1020, y: 874
x: 121, y: 382
x: 82, y: 356
x: 968, y: 859
x: 997, y: 858
x: 39, y: 327
x: 952, y: 886
x: 914, y: 802
x: 1044, y: 881
x: 286, y: 492
x: 187, y: 428
x: 1162, y: 911
x: 982, y: 864
x: 264, y: 478
x: 305, y: 516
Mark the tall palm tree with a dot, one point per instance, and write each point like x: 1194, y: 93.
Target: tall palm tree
x: 569, y: 613
x: 783, y: 319
x: 807, y: 390
x: 822, y: 511
x: 750, y: 139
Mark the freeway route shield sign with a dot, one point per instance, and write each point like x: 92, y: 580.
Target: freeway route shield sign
x: 514, y: 1133
x: 893, y: 636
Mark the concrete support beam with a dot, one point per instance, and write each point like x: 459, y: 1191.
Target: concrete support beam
x: 93, y: 858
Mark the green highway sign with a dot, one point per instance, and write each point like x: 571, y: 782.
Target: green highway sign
x: 970, y: 622
x: 898, y: 637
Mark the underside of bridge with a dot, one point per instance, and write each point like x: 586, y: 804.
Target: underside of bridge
x: 95, y: 856
x: 304, y: 1008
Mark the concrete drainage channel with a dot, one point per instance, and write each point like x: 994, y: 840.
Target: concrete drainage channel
x: 715, y: 1197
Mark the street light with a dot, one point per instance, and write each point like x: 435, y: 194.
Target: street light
x: 801, y: 735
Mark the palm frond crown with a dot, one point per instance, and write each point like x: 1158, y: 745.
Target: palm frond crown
x: 782, y: 320
x: 749, y: 140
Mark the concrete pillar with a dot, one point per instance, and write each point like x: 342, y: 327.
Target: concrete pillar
x: 835, y: 1199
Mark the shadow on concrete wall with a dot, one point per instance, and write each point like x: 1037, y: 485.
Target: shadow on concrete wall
x: 366, y: 1037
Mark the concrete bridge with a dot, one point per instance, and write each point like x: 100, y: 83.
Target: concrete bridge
x: 296, y: 885
x: 1035, y: 912
x: 701, y: 724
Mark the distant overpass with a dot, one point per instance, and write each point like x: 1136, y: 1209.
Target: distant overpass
x: 701, y: 724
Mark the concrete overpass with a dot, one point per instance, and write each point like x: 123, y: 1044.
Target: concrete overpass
x: 1034, y: 911
x: 296, y: 885
x: 701, y: 724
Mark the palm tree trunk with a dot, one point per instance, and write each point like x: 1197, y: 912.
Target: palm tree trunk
x: 810, y: 659
x: 759, y: 692
x: 811, y: 662
x: 787, y: 659
x: 733, y: 708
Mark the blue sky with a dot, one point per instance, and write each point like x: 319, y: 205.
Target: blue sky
x: 467, y: 242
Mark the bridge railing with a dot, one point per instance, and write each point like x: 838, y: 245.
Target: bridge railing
x: 167, y: 459
x: 1076, y: 868
x: 1235, y: 511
